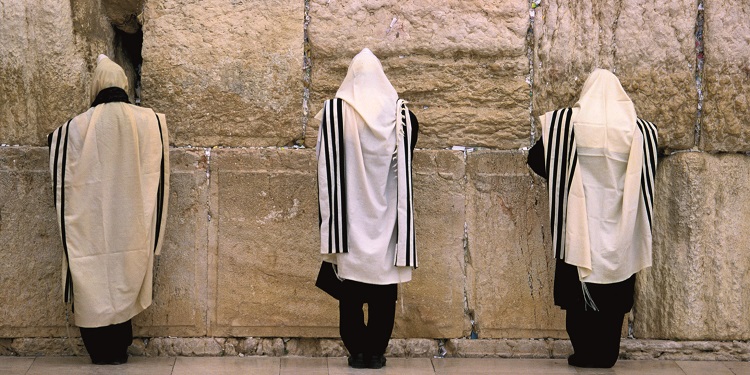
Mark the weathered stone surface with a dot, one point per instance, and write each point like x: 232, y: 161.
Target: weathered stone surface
x: 262, y: 346
x: 34, y: 304
x: 412, y: 348
x: 123, y: 14
x: 509, y: 249
x: 267, y: 228
x: 726, y: 107
x: 432, y: 304
x: 463, y: 66
x: 47, y: 51
x: 179, y: 304
x: 685, y: 350
x: 225, y: 72
x: 185, y: 346
x: 650, y: 46
x: 697, y: 287
x: 38, y: 346
x: 561, y: 348
x: 30, y: 263
x: 265, y: 256
x: 498, y: 348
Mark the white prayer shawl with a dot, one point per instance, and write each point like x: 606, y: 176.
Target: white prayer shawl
x: 601, y: 161
x: 364, y: 178
x: 110, y: 172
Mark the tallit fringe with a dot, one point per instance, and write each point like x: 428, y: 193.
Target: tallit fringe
x: 589, y: 302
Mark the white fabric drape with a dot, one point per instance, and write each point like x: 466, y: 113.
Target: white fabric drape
x: 605, y: 216
x: 110, y: 171
x: 364, y: 158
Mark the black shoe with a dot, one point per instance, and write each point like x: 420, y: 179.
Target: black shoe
x: 576, y: 361
x: 357, y: 361
x: 377, y: 361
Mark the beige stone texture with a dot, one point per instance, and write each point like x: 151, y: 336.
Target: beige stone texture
x: 432, y: 304
x: 179, y: 304
x: 48, y: 49
x: 509, y: 249
x: 697, y: 288
x: 726, y: 107
x: 123, y: 14
x: 462, y: 65
x: 265, y: 258
x: 34, y: 302
x: 503, y: 348
x: 30, y: 263
x: 649, y: 45
x: 225, y: 72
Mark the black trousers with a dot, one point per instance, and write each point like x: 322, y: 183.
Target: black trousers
x: 371, y: 338
x: 108, y: 344
x: 595, y: 336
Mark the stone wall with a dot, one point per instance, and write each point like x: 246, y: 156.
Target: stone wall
x: 240, y: 82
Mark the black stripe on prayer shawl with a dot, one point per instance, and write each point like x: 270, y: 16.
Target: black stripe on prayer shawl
x: 335, y: 148
x: 68, y: 278
x: 407, y: 151
x: 561, y: 143
x: 332, y: 134
x: 648, y: 172
x: 326, y: 144
x: 344, y: 242
x: 160, y: 190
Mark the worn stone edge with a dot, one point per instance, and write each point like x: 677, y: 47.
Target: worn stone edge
x: 635, y: 349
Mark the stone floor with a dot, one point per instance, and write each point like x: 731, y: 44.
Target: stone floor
x: 337, y: 366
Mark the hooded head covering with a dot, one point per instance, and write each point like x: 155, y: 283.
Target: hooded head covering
x: 107, y: 74
x: 605, y: 115
x: 368, y: 91
x: 601, y: 163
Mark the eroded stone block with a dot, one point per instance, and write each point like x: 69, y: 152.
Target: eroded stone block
x: 225, y: 72
x: 509, y: 249
x: 649, y: 46
x: 30, y: 264
x: 463, y: 66
x: 266, y: 254
x: 726, y: 107
x: 179, y: 303
x: 48, y: 49
x: 697, y: 287
x: 432, y: 303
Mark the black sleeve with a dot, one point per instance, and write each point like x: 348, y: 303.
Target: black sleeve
x: 414, y: 130
x: 536, y: 159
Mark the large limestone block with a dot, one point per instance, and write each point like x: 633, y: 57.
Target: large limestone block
x: 179, y: 304
x: 48, y: 49
x: 697, y: 288
x: 648, y: 45
x: 225, y: 72
x: 432, y: 304
x: 726, y: 107
x: 30, y: 263
x: 509, y: 249
x: 462, y: 65
x: 264, y: 256
x: 124, y: 13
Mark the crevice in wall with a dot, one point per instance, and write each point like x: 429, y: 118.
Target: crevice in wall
x: 306, y: 74
x: 699, y: 59
x: 468, y: 310
x: 128, y: 47
x: 530, y: 44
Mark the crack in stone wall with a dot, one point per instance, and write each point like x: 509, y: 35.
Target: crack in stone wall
x: 699, y: 60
